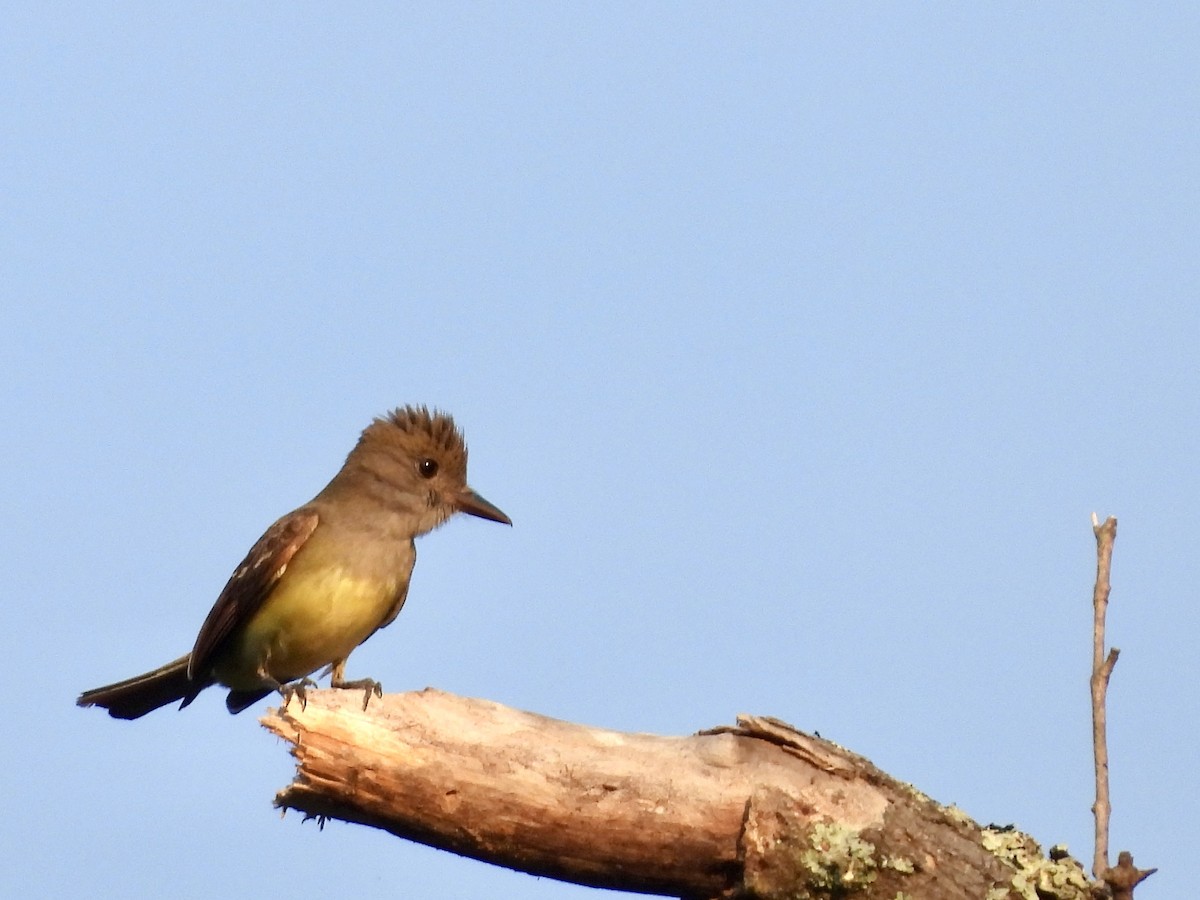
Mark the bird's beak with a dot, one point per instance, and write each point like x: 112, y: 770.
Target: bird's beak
x: 470, y: 502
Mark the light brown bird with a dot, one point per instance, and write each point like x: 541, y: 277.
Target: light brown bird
x: 324, y: 578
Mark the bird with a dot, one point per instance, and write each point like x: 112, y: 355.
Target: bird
x: 323, y: 578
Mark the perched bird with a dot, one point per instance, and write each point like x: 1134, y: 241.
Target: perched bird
x: 324, y: 578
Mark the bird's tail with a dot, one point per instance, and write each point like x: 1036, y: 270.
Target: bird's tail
x: 134, y: 697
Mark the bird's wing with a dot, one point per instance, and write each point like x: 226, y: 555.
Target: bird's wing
x: 250, y: 584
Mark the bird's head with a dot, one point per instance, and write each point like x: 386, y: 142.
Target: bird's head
x: 419, y: 459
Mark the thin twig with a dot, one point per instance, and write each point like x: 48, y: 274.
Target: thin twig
x: 1102, y: 667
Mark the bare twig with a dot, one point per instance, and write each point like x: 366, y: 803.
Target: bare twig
x: 1102, y: 667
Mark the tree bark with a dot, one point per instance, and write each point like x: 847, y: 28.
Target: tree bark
x: 759, y: 810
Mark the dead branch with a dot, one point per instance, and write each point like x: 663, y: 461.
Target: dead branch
x: 759, y: 810
x: 1102, y: 667
x: 1122, y: 878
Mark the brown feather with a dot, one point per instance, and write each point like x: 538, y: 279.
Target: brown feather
x: 250, y: 585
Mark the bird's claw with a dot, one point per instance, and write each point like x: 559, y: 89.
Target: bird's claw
x: 298, y: 688
x: 368, y: 686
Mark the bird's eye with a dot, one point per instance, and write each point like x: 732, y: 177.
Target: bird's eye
x: 428, y: 468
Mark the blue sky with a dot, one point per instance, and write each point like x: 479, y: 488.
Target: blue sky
x: 800, y: 342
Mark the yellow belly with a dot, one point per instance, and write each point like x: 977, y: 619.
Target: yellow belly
x: 313, y: 617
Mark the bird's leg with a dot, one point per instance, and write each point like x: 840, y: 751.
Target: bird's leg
x: 368, y: 686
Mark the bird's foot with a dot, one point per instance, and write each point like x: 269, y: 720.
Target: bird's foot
x: 368, y: 686
x: 298, y: 688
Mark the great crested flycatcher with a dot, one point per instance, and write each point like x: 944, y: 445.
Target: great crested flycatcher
x: 324, y: 578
